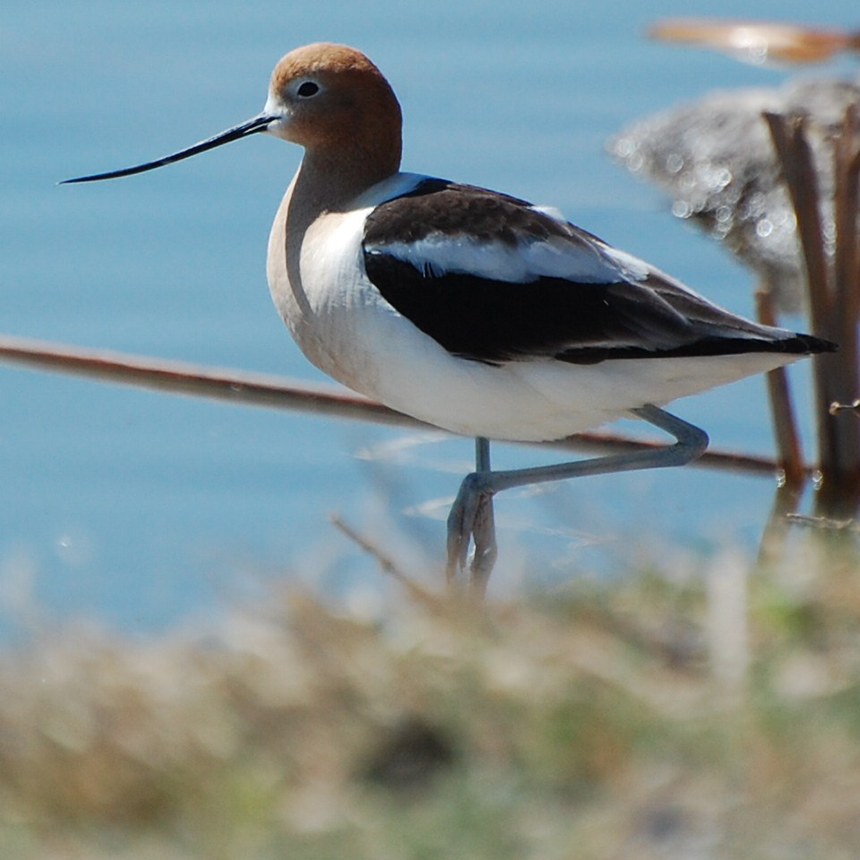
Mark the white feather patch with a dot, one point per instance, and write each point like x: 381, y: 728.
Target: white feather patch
x: 439, y: 254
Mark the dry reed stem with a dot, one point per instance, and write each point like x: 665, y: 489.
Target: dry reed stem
x: 386, y: 563
x: 832, y: 296
x: 789, y: 454
x: 276, y: 392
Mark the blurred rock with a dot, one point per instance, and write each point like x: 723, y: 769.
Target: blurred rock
x: 715, y: 159
x: 410, y: 755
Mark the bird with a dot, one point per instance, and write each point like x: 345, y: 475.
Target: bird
x: 473, y: 310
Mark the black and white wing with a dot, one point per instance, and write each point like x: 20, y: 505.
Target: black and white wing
x: 494, y: 279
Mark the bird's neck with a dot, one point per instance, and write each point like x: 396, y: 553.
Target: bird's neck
x: 330, y: 181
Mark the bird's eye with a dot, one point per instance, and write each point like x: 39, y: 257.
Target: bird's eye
x: 308, y: 89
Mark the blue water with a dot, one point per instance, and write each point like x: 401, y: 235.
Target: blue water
x: 142, y: 509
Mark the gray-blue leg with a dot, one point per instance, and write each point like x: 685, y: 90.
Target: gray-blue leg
x: 471, y: 518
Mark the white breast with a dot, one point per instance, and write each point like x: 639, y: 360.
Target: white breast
x: 323, y: 294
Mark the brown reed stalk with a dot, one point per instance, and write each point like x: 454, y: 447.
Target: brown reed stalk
x: 788, y: 449
x: 276, y: 392
x: 833, y: 280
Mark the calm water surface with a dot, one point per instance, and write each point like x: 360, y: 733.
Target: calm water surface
x: 142, y: 509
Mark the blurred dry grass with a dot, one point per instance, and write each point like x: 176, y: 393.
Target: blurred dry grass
x: 593, y: 722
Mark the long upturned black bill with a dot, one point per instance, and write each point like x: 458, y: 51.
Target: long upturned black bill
x: 252, y: 126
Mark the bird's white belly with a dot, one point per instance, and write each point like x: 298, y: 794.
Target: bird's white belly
x: 348, y: 330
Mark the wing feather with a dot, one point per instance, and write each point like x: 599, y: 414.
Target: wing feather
x: 495, y: 279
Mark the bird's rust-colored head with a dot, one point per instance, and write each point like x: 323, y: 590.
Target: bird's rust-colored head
x: 328, y: 98
x: 331, y: 99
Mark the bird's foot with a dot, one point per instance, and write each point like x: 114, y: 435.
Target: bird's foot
x: 472, y: 521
